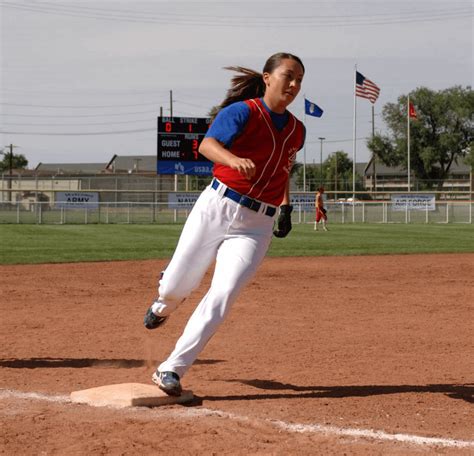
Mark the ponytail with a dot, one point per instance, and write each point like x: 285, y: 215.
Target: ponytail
x: 243, y: 86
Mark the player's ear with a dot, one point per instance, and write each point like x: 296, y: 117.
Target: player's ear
x: 266, y: 78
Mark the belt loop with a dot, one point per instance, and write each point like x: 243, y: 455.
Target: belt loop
x: 255, y: 205
x: 221, y: 189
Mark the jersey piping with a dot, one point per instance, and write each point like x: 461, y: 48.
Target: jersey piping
x: 271, y: 129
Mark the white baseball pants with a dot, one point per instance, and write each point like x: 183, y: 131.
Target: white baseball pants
x: 238, y: 239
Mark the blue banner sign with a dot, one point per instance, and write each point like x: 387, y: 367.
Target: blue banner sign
x: 185, y: 167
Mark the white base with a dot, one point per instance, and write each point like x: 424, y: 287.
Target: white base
x: 128, y: 395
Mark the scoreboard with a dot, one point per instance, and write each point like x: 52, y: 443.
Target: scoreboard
x: 178, y: 143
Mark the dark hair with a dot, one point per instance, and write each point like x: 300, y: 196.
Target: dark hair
x: 249, y: 83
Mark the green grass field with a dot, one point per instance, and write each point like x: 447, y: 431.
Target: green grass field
x: 32, y: 244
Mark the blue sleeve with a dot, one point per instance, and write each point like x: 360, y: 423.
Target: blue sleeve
x: 229, y: 123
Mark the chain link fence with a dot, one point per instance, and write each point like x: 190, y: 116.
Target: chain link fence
x: 151, y: 198
x: 165, y: 213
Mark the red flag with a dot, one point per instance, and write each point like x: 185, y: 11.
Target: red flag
x: 411, y: 111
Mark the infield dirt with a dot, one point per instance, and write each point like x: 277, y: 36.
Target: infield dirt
x: 379, y: 342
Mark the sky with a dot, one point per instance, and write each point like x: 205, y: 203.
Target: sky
x: 81, y: 81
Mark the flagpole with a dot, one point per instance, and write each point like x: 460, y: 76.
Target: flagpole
x: 374, y: 182
x: 354, y: 136
x: 408, y: 143
x: 304, y: 148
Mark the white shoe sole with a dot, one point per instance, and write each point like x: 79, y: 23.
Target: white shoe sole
x: 170, y: 391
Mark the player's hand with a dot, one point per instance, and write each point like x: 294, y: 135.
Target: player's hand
x: 244, y: 166
x: 214, y: 151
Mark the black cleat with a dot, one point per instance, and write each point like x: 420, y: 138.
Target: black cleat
x: 168, y: 382
x: 152, y: 321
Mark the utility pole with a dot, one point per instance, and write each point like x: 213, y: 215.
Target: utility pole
x: 321, y: 162
x: 408, y: 144
x: 11, y: 159
x: 171, y: 103
x: 10, y: 170
x: 171, y: 116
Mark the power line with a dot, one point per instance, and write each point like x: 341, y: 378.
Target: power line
x: 337, y: 140
x: 73, y: 116
x: 78, y: 115
x: 148, y: 14
x: 120, y: 132
x: 229, y: 21
x: 79, y: 107
x: 192, y: 104
x: 152, y: 119
x: 81, y: 92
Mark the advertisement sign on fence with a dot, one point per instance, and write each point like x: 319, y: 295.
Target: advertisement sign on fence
x: 89, y: 200
x: 182, y: 200
x: 413, y: 202
x: 303, y: 200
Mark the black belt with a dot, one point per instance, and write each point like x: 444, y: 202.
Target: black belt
x: 243, y: 200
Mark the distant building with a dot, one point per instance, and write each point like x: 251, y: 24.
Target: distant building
x: 389, y: 179
x: 122, y: 178
x: 134, y: 178
x: 130, y: 164
x: 71, y: 168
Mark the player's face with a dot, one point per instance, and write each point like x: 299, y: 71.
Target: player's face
x: 283, y: 84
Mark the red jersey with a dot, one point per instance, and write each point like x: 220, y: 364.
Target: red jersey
x: 272, y: 151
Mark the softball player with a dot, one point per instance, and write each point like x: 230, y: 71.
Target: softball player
x: 320, y: 210
x: 252, y: 142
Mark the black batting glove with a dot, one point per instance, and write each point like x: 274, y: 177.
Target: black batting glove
x: 284, y: 221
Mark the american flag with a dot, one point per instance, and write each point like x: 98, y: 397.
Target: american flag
x: 365, y: 88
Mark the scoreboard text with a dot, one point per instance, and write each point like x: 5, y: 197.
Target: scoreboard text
x: 178, y: 145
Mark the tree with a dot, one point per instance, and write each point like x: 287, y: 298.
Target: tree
x: 311, y: 175
x: 439, y: 137
x: 469, y: 160
x: 18, y: 161
x: 337, y: 171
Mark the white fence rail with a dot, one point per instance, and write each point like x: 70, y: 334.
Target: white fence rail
x: 387, y: 212
x: 149, y: 213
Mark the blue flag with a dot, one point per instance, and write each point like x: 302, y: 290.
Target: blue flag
x: 312, y: 109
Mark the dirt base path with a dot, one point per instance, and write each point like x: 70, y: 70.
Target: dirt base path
x: 316, y: 355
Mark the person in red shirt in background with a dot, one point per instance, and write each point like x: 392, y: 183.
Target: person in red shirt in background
x: 320, y: 210
x: 253, y: 142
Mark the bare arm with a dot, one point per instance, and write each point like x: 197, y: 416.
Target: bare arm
x: 286, y: 198
x: 319, y: 203
x: 214, y: 151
